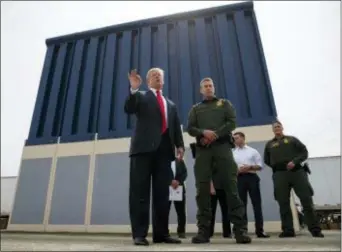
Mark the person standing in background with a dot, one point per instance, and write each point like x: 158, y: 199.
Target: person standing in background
x: 218, y: 194
x: 249, y: 162
x: 156, y: 136
x: 285, y: 155
x: 180, y: 174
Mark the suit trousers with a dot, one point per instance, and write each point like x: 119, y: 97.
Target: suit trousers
x: 180, y: 207
x: 143, y: 167
x: 220, y: 196
x: 249, y: 183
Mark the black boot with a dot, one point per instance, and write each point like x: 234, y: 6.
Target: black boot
x: 287, y: 234
x: 242, y: 238
x: 317, y: 233
x: 181, y: 235
x: 202, y: 237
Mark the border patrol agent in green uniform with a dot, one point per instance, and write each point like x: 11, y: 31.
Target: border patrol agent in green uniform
x: 211, y: 122
x: 284, y: 154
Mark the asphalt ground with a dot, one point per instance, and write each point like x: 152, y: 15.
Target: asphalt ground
x: 108, y: 242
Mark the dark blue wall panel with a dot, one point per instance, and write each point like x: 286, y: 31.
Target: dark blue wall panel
x: 69, y: 196
x: 30, y: 197
x: 110, y: 191
x: 84, y: 80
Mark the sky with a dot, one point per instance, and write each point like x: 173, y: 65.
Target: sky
x: 301, y: 41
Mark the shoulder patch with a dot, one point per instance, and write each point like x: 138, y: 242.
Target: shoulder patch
x: 225, y: 101
x: 220, y: 102
x: 196, y: 105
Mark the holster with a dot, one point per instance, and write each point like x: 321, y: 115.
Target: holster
x: 306, y: 168
x: 193, y: 149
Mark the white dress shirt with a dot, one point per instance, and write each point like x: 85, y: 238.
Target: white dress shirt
x: 173, y: 167
x: 164, y: 101
x: 247, y: 156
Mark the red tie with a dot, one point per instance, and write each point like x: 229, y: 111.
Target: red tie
x: 162, y: 111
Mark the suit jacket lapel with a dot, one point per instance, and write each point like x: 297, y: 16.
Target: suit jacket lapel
x: 153, y: 99
x: 176, y: 169
x: 169, y: 108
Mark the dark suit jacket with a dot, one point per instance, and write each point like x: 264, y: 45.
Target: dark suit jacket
x: 146, y: 137
x: 181, y: 171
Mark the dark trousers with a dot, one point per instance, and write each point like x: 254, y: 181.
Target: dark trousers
x: 221, y: 197
x: 284, y: 181
x: 249, y: 183
x: 142, y: 167
x: 181, y: 213
x: 226, y: 169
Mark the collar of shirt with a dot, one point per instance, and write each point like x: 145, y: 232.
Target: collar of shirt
x: 277, y: 139
x: 245, y: 146
x: 155, y: 91
x: 212, y: 100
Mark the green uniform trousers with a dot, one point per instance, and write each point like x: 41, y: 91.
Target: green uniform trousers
x: 284, y: 181
x: 226, y: 168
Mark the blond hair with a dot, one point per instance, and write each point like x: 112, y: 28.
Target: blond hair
x: 154, y: 69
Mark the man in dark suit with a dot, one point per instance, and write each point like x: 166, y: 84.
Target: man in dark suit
x: 156, y: 135
x: 180, y: 174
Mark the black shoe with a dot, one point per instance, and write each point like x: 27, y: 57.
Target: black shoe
x: 141, y: 242
x: 262, y: 235
x: 168, y: 240
x: 317, y: 234
x: 227, y: 236
x: 242, y: 239
x: 181, y: 235
x: 287, y: 234
x: 200, y: 238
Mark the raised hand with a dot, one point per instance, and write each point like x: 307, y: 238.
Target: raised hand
x: 134, y: 79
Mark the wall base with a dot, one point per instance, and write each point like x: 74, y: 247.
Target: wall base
x: 269, y: 227
x: 92, y: 149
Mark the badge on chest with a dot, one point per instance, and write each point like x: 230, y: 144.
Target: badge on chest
x: 219, y: 103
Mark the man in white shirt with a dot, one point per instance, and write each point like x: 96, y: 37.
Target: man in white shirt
x: 249, y: 162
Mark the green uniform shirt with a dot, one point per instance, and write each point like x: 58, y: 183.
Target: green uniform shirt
x: 216, y: 114
x: 279, y: 152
